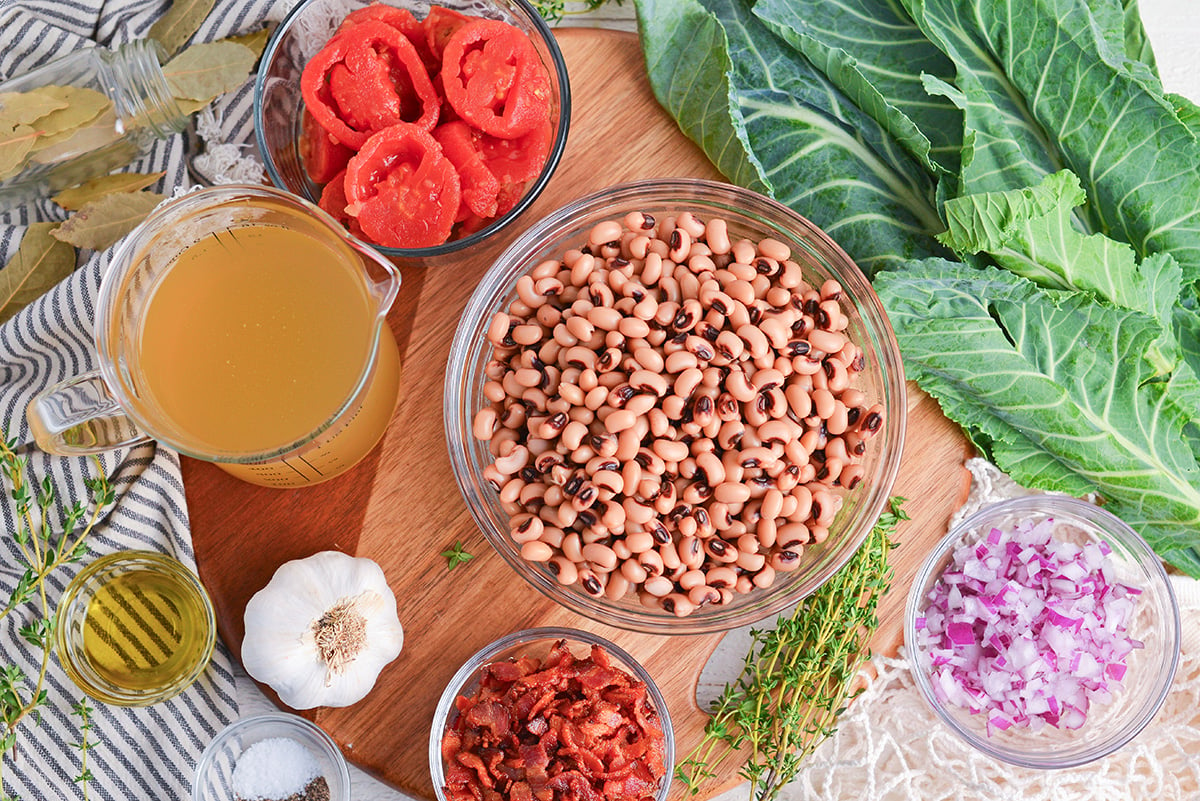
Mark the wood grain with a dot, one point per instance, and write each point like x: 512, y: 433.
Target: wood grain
x: 402, y: 507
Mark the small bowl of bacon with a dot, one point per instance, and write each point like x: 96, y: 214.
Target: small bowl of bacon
x: 1043, y: 630
x: 423, y: 127
x: 551, y: 712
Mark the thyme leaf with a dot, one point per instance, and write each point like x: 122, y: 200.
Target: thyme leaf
x: 46, y: 538
x: 555, y: 10
x: 456, y: 556
x: 798, y: 676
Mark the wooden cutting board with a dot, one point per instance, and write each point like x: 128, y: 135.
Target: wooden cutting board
x: 401, y: 506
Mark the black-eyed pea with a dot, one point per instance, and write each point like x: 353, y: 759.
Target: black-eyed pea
x: 572, y: 546
x: 563, y: 569
x: 729, y: 436
x: 601, y: 556
x: 720, y: 576
x: 792, y: 536
x: 720, y: 551
x: 616, y: 586
x: 494, y: 391
x: 871, y: 421
x: 764, y: 578
x: 565, y: 514
x: 690, y: 550
x: 824, y: 507
x: 633, y: 571
x: 826, y: 341
x: 744, y: 583
x: 677, y: 604
x: 533, y: 493
x: 687, y: 527
x: 659, y: 586
x: 784, y: 561
x: 852, y: 476
x: 591, y: 535
x: 637, y: 513
x: 485, y: 423
x: 639, y: 541
x: 836, y: 376
x: 750, y: 560
x: 525, y: 528
x: 592, y: 583
x: 679, y: 243
x: 691, y: 578
x: 670, y: 557
x: 702, y: 595
x: 820, y: 533
x: 528, y: 296
x: 536, y: 551
x: 804, y: 503
x: 609, y: 480
x: 730, y: 492
x: 739, y: 385
x: 778, y: 297
x: 766, y: 532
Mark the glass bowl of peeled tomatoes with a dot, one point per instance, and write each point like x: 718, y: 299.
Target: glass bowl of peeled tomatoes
x: 423, y: 128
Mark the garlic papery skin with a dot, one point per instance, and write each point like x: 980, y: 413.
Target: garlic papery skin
x: 321, y: 630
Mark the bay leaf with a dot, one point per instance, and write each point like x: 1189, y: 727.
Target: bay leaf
x: 88, y: 137
x: 183, y: 18
x: 40, y: 263
x: 255, y: 40
x: 76, y: 197
x: 189, y: 106
x: 14, y: 149
x: 23, y: 108
x: 100, y: 223
x: 82, y: 107
x: 202, y: 72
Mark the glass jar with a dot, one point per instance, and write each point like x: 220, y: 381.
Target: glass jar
x: 81, y: 116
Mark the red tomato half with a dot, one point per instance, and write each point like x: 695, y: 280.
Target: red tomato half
x: 402, y: 188
x: 333, y: 200
x: 480, y: 187
x: 365, y: 79
x: 439, y: 26
x: 520, y: 159
x: 494, y: 79
x: 321, y: 156
x: 401, y: 20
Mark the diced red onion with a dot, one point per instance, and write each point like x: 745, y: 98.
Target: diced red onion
x: 1028, y: 630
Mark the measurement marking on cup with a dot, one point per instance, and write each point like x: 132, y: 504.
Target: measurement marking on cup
x: 311, y: 466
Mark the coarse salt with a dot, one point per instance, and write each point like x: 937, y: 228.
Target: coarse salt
x: 274, y: 768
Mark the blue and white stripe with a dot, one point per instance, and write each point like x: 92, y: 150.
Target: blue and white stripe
x: 149, y: 753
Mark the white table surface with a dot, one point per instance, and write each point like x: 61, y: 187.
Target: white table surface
x: 1174, y: 30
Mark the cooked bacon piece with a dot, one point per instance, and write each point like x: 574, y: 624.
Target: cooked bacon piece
x: 563, y: 729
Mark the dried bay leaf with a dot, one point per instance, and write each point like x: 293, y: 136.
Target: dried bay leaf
x: 14, y: 149
x: 202, y: 72
x: 82, y: 108
x: 255, y: 40
x: 100, y: 223
x: 99, y: 132
x: 41, y: 262
x: 77, y: 197
x: 183, y: 18
x: 23, y: 108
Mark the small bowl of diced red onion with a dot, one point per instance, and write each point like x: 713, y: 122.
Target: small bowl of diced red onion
x: 1043, y: 630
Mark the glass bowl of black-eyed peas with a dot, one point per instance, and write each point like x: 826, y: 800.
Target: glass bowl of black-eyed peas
x: 675, y: 406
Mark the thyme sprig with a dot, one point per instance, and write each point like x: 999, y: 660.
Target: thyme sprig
x: 46, y: 538
x: 798, y: 676
x: 556, y: 10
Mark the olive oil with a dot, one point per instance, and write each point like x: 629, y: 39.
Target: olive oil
x: 145, y: 630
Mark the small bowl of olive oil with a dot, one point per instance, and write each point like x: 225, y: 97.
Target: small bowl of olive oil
x: 135, y: 628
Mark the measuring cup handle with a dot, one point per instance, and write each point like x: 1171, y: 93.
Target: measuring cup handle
x: 79, y: 416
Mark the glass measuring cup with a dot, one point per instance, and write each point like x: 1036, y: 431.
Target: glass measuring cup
x: 239, y: 325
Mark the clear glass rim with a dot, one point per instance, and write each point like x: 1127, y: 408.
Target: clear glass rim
x: 532, y: 192
x: 484, y: 655
x: 124, y: 262
x: 269, y: 718
x: 1045, y: 757
x: 468, y: 342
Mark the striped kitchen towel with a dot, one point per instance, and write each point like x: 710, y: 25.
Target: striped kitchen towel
x: 142, y: 753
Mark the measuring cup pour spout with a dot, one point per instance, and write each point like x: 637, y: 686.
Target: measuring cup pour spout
x: 239, y: 325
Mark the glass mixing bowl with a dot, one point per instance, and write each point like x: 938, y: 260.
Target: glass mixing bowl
x: 1150, y: 670
x: 751, y: 215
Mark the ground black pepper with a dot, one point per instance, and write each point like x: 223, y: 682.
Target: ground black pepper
x: 315, y: 790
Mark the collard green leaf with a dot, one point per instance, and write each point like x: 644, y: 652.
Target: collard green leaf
x: 205, y: 71
x: 814, y: 150
x: 40, y: 263
x: 182, y: 20
x: 1057, y: 384
x: 77, y: 196
x: 876, y: 55
x: 687, y: 60
x: 1028, y: 231
x: 1039, y: 71
x: 100, y: 223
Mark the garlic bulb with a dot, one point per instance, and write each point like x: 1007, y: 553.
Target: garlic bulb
x: 321, y: 630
